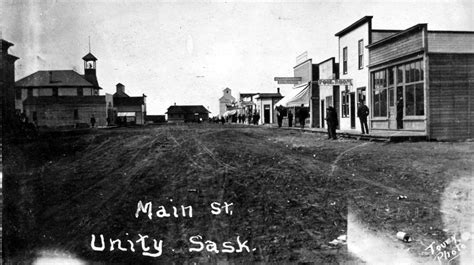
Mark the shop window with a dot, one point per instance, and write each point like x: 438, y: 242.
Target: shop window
x: 345, y: 104
x: 379, y: 81
x: 400, y: 74
x: 361, y: 54
x: 344, y: 60
x: 391, y: 97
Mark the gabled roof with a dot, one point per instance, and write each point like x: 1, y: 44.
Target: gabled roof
x: 89, y: 57
x: 354, y: 25
x: 56, y: 78
x: 128, y: 101
x: 187, y: 109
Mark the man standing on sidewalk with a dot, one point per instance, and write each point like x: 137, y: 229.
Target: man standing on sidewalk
x: 331, y: 119
x: 362, y: 113
x: 303, y: 114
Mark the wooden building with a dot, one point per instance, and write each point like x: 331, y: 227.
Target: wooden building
x: 128, y: 110
x: 62, y: 98
x: 328, y: 93
x: 353, y: 61
x: 265, y: 105
x: 422, y: 80
x: 7, y: 82
x: 309, y: 74
x: 187, y: 113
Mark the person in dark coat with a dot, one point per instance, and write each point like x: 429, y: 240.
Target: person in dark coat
x: 290, y: 118
x: 92, y: 121
x: 279, y: 116
x: 362, y: 113
x: 400, y: 113
x: 303, y: 114
x: 331, y: 119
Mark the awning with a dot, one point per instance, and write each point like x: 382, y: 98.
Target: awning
x: 299, y: 95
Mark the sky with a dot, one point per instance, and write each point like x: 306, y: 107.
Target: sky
x: 187, y: 52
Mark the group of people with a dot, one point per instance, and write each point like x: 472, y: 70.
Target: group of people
x: 331, y: 118
x: 249, y: 118
x: 302, y: 115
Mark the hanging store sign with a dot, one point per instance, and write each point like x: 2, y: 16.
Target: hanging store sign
x: 335, y: 82
x: 288, y: 80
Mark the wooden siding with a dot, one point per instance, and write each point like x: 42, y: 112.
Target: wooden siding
x: 451, y: 42
x: 304, y: 71
x: 397, y: 48
x: 451, y: 96
x: 382, y: 34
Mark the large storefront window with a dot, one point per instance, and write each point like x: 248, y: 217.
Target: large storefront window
x: 405, y: 81
x: 414, y: 92
x: 379, y: 81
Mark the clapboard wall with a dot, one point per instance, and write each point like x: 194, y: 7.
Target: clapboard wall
x: 398, y: 45
x: 451, y: 96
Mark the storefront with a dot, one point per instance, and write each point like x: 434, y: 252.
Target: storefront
x: 419, y: 81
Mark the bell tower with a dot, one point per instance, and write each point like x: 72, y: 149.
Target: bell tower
x: 89, y: 68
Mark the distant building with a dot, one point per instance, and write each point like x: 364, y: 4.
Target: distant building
x: 187, y: 113
x: 7, y: 82
x: 63, y: 98
x: 226, y: 100
x: 265, y: 105
x: 128, y: 110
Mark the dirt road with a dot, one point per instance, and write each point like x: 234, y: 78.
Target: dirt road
x: 290, y: 194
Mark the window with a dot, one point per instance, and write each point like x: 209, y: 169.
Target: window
x: 30, y: 92
x: 80, y: 92
x: 361, y: 54
x: 76, y: 114
x: 344, y: 60
x: 414, y: 89
x: 345, y: 104
x: 379, y: 83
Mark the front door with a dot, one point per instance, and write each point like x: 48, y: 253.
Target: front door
x: 353, y: 110
x: 266, y: 113
x: 322, y: 113
x: 392, y: 108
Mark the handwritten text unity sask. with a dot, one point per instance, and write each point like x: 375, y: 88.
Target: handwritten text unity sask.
x: 152, y: 247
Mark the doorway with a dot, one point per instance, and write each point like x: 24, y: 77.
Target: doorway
x: 266, y: 113
x: 322, y: 113
x: 353, y: 110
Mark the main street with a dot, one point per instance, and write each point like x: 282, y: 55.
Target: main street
x: 273, y: 195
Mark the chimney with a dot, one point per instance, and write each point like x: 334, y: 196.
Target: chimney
x: 175, y: 103
x: 278, y: 90
x: 120, y: 88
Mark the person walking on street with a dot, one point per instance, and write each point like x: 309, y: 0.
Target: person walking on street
x: 362, y: 113
x: 331, y: 119
x: 303, y: 114
x: 290, y: 118
x: 92, y: 121
x: 279, y: 116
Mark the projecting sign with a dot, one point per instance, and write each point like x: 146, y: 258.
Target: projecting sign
x: 288, y: 80
x: 335, y: 82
